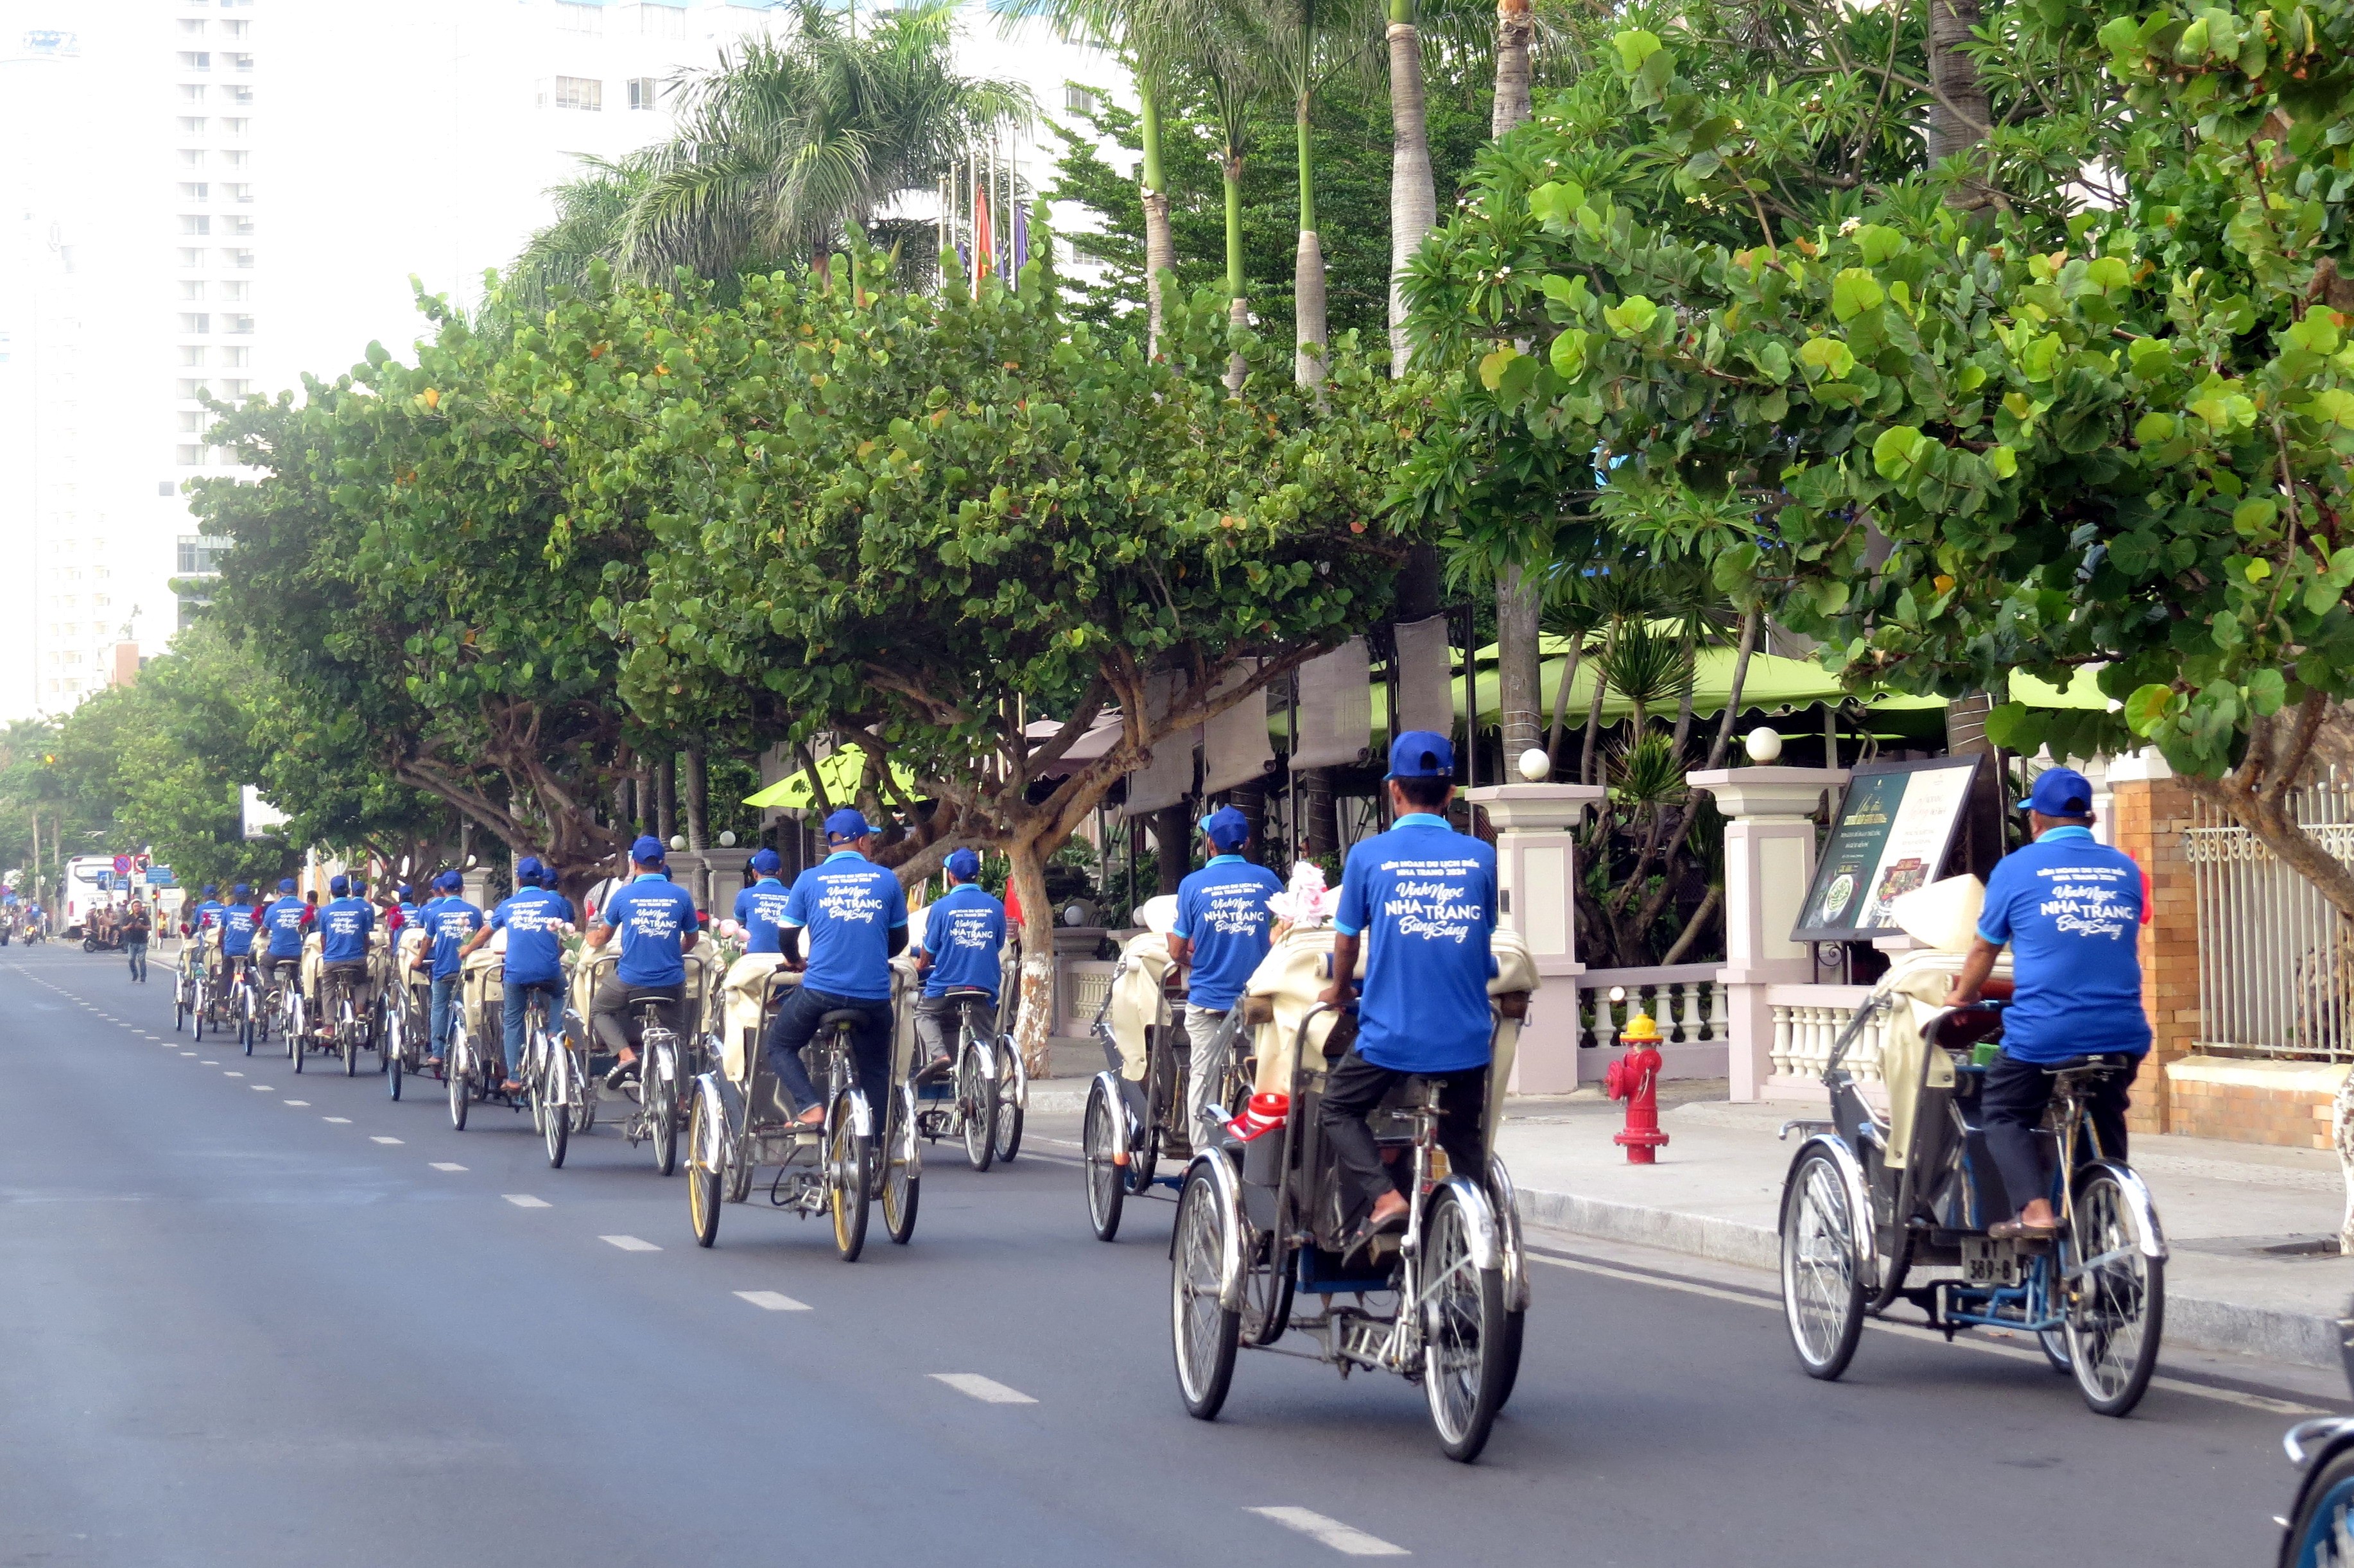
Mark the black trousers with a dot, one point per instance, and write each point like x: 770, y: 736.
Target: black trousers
x: 1351, y: 1091
x: 2012, y: 1104
x: 795, y: 1027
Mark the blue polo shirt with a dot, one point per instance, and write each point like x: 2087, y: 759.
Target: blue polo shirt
x: 1425, y: 897
x: 208, y: 913
x: 237, y: 925
x: 851, y: 907
x: 282, y: 921
x: 965, y: 935
x: 2072, y: 909
x: 1222, y: 910
x: 533, y: 918
x: 448, y: 924
x: 654, y: 916
x: 344, y: 928
x: 761, y: 910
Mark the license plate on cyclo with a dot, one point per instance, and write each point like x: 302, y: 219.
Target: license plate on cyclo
x: 1989, y: 1262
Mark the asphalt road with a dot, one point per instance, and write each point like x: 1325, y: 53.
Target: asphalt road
x: 264, y: 1319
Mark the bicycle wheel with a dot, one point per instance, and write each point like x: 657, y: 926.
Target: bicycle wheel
x: 1205, y: 1334
x: 976, y: 1106
x: 847, y: 1181
x: 347, y: 1035
x: 706, y: 1159
x: 179, y: 1009
x: 903, y: 1176
x: 2321, y: 1534
x: 458, y: 1070
x: 396, y: 1060
x: 1098, y: 1142
x: 294, y: 1027
x: 2054, y: 1343
x: 245, y: 1030
x: 661, y: 1093
x: 1462, y: 1307
x: 1009, y: 1104
x: 1266, y: 1288
x: 1822, y: 1277
x: 2116, y: 1296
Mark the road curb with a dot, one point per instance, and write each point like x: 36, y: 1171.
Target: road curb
x: 2197, y: 1321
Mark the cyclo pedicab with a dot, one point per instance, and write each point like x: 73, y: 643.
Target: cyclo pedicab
x: 193, y: 999
x: 668, y: 1059
x: 408, y: 1008
x: 353, y: 1020
x: 743, y: 1119
x: 1870, y: 1200
x: 982, y: 1094
x: 1136, y: 1106
x: 1262, y: 1223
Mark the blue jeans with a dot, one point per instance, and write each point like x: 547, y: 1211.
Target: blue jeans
x: 519, y: 994
x: 870, y: 1046
x: 445, y: 1000
x: 137, y: 948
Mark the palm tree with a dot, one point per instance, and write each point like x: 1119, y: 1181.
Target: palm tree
x: 592, y: 212
x: 1233, y: 79
x: 1414, y: 195
x: 796, y: 138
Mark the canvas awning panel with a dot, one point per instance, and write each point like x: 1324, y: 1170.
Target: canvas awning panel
x: 1336, y: 707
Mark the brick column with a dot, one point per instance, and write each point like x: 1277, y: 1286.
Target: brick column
x: 2152, y: 811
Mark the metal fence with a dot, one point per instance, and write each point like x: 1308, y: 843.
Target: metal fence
x: 2276, y: 969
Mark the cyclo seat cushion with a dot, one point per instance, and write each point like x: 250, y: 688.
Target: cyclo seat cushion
x: 2113, y: 1062
x: 960, y: 993
x: 640, y: 998
x: 838, y: 1016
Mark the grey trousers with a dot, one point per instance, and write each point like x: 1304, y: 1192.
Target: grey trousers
x: 938, y: 1019
x: 1203, y: 1027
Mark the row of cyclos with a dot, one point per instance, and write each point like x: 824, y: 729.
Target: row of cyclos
x: 704, y: 1094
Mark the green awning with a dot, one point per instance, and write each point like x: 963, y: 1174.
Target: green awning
x: 842, y: 772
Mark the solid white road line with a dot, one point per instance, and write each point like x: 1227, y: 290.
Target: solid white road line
x: 772, y: 1301
x: 379, y: 1138
x: 1921, y: 1331
x: 445, y: 1165
x: 629, y: 1243
x: 989, y: 1390
x: 525, y: 1200
x: 1347, y: 1540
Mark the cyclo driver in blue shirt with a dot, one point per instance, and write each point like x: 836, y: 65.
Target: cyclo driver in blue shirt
x: 854, y: 914
x: 534, y: 916
x: 656, y: 919
x: 1222, y: 933
x: 1421, y: 899
x: 344, y: 923
x: 282, y: 926
x: 449, y: 921
x: 964, y: 949
x: 760, y: 908
x: 238, y: 925
x: 2072, y: 910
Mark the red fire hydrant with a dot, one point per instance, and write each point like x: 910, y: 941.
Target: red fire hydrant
x: 1634, y: 1078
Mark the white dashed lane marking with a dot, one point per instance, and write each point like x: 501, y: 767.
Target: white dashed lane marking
x: 526, y: 1201
x: 445, y: 1165
x: 1346, y: 1540
x: 772, y: 1301
x: 381, y: 1138
x: 338, y: 1120
x: 297, y: 1102
x: 630, y: 1244
x: 989, y: 1390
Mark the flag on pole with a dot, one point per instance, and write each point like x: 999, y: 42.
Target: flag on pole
x: 984, y: 243
x: 1021, y: 238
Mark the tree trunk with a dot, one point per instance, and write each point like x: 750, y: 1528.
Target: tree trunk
x: 1519, y: 676
x: 1752, y: 623
x: 1693, y: 927
x: 1414, y: 199
x: 1307, y: 294
x: 666, y: 799
x: 1172, y: 848
x: 1957, y: 102
x: 1160, y: 247
x: 1593, y: 745
x: 1684, y: 710
x: 1035, y: 1021
x: 1238, y: 367
x: 1239, y: 304
x: 1323, y: 812
x: 698, y: 799
x: 1554, y: 733
x: 1514, y: 25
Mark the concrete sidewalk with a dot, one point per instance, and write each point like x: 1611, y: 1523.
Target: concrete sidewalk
x: 2242, y: 1221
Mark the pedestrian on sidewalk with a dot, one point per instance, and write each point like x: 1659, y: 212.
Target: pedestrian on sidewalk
x: 2071, y: 911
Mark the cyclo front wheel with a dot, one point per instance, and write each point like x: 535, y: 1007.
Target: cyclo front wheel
x: 1205, y: 1334
x: 660, y: 1088
x: 845, y: 1178
x: 1100, y: 1142
x: 1463, y: 1333
x: 1822, y: 1276
x: 2322, y: 1532
x: 707, y: 1159
x: 976, y: 1106
x: 2115, y: 1295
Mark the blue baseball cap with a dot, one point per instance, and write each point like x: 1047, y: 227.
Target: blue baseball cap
x: 1422, y: 754
x: 407, y: 893
x: 766, y: 862
x: 449, y: 881
x: 285, y: 885
x: 647, y: 850
x: 339, y: 886
x: 963, y: 864
x: 845, y: 825
x: 2060, y: 792
x: 527, y: 870
x: 211, y: 888
x: 1226, y: 826
x: 242, y: 890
